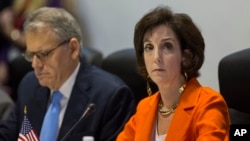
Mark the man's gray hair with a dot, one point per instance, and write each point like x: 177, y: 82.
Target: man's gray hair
x: 58, y: 19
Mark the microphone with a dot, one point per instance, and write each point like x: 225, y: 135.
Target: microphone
x: 90, y: 109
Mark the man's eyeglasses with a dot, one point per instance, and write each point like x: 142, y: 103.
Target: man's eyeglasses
x: 42, y: 55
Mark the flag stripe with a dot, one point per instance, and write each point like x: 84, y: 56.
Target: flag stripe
x: 27, y: 133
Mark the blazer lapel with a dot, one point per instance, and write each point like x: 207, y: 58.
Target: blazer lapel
x: 148, y: 119
x: 37, y: 108
x: 182, y: 117
x: 77, y: 104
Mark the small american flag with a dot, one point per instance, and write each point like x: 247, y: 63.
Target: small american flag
x: 27, y: 133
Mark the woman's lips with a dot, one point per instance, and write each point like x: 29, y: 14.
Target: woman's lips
x: 158, y: 70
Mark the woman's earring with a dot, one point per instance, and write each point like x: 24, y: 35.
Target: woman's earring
x: 149, y: 91
x: 186, y: 76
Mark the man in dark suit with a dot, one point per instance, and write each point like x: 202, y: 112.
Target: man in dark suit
x: 53, y: 40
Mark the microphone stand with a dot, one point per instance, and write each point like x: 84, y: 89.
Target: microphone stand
x: 90, y: 109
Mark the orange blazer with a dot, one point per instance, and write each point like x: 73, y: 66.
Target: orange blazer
x: 202, y: 115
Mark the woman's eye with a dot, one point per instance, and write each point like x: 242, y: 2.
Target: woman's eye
x: 168, y: 46
x: 148, y: 48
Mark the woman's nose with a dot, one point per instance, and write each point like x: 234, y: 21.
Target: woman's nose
x: 157, y: 55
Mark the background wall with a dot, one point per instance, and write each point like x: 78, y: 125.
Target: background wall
x: 225, y: 25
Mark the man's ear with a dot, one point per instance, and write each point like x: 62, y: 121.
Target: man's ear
x: 74, y: 47
x: 187, y: 58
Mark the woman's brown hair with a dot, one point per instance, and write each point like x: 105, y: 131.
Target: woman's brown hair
x: 186, y: 31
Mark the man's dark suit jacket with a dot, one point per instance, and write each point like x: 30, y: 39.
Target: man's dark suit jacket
x: 113, y: 99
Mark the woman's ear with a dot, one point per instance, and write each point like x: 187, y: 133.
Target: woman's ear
x: 187, y: 58
x: 74, y: 47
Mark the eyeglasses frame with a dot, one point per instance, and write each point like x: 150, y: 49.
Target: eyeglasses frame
x: 42, y: 55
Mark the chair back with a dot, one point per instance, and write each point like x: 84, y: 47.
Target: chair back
x: 123, y: 64
x: 234, y: 84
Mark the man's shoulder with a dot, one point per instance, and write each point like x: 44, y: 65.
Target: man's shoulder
x: 99, y: 75
x: 29, y: 82
x: 30, y: 76
x: 97, y: 81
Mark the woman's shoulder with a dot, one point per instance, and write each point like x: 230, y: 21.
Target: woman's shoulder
x: 209, y: 96
x: 209, y: 92
x: 203, y: 94
x: 203, y: 91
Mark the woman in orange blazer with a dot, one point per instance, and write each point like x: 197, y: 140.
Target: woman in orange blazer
x: 170, y: 51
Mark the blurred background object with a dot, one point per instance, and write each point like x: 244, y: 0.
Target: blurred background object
x: 6, y: 104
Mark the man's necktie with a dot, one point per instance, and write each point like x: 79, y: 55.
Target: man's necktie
x: 50, y: 122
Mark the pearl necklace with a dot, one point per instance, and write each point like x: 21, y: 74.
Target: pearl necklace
x: 171, y: 109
